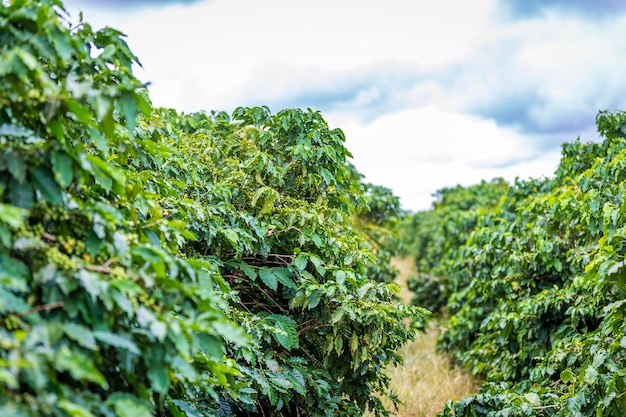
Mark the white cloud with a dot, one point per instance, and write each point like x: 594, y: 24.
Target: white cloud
x: 429, y: 93
x: 550, y: 71
x: 219, y: 44
x: 417, y: 152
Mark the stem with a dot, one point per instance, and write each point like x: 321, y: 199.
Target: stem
x: 104, y: 268
x: 44, y: 307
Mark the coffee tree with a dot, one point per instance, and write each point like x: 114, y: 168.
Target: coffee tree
x: 541, y: 318
x: 435, y: 236
x: 159, y: 263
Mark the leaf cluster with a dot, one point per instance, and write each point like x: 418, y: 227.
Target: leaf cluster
x: 434, y: 238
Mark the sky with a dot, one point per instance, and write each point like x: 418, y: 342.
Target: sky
x: 429, y: 94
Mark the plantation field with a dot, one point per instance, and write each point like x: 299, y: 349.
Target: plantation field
x: 158, y: 263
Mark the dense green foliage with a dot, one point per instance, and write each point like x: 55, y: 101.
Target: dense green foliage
x: 378, y: 223
x: 540, y: 299
x: 434, y: 238
x: 157, y: 263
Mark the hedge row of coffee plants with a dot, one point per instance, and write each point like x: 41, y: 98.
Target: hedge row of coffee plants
x: 537, y: 291
x: 154, y: 263
x: 435, y: 236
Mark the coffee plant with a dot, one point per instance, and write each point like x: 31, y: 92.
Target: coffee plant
x: 154, y: 263
x: 434, y: 237
x: 538, y: 289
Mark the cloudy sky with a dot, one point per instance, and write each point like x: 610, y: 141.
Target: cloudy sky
x: 429, y: 93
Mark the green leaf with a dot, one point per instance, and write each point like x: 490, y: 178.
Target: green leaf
x: 62, y: 168
x: 317, y: 262
x: 158, y: 330
x: 8, y: 379
x: 533, y: 398
x: 281, y: 382
x: 61, y: 41
x: 338, y: 344
x: 231, y: 332
x: 107, y: 175
x: 11, y: 303
x: 288, y: 337
x: 354, y: 343
x: 298, y: 299
x: 268, y: 278
x: 314, y: 299
x: 231, y: 236
x: 301, y: 262
x: 92, y: 283
x: 16, y: 166
x: 79, y: 366
x: 211, y: 345
x: 117, y: 341
x: 82, y: 112
x: 340, y: 276
x: 297, y: 380
x: 186, y: 408
x: 12, y: 216
x: 591, y: 375
x: 567, y: 376
x: 337, y: 316
x: 80, y: 334
x: 283, y: 275
x: 364, y: 289
x: 44, y: 183
x: 248, y: 270
x: 159, y: 378
x: 27, y: 58
x: 21, y: 195
x: 131, y: 407
x: 267, y: 196
x: 128, y: 108
x: 73, y: 409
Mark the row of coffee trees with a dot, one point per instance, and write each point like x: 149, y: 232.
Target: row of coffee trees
x: 154, y: 263
x: 532, y: 279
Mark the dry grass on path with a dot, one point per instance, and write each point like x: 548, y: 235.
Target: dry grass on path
x: 427, y: 380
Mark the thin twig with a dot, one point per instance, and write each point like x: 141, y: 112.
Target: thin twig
x: 307, y: 322
x: 273, y: 232
x: 260, y: 407
x: 155, y: 222
x: 273, y: 301
x: 44, y: 307
x: 48, y: 236
x: 104, y: 268
x: 311, y: 327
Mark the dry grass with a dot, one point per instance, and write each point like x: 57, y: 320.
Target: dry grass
x: 427, y: 381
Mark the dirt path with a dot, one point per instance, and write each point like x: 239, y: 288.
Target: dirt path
x: 426, y: 381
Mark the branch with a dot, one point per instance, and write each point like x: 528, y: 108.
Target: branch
x: 104, y: 268
x: 311, y: 327
x: 272, y: 232
x: 48, y: 236
x: 273, y: 301
x: 155, y: 222
x: 44, y: 307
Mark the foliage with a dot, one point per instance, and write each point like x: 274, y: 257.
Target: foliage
x: 157, y: 263
x: 434, y: 237
x: 378, y: 223
x: 542, y: 316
